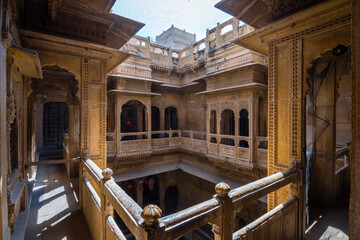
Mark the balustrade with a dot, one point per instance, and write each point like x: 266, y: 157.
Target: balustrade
x: 100, y: 196
x: 165, y: 57
x: 213, y: 144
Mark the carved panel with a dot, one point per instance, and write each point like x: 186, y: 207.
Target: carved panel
x: 213, y: 148
x: 244, y: 153
x: 186, y: 141
x: 159, y: 142
x: 199, y: 143
x: 134, y: 146
x: 228, y: 151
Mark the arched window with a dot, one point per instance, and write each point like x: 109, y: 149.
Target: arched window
x: 213, y: 126
x: 171, y: 118
x: 227, y: 123
x: 262, y: 118
x: 244, y: 123
x: 133, y: 117
x: 243, y: 144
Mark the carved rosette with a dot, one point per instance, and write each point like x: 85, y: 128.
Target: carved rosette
x: 10, y: 111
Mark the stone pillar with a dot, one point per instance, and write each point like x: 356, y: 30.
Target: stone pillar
x: 93, y: 105
x: 162, y: 118
x: 251, y: 128
x: 74, y: 133
x: 354, y: 212
x: 139, y: 112
x: 117, y: 138
x: 162, y: 190
x: 218, y: 119
x: 236, y: 115
x: 39, y: 114
x: 139, y: 192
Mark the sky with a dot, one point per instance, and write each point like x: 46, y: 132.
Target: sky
x: 195, y: 16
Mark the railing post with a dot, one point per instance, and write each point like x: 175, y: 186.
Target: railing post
x: 192, y: 138
x: 227, y: 219
x: 151, y: 215
x: 106, y: 208
x: 84, y: 154
x: 170, y: 137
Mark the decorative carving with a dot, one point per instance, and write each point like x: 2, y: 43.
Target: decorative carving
x: 10, y: 111
x: 281, y: 7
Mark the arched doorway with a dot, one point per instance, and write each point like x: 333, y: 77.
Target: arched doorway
x: 328, y: 130
x: 56, y: 110
x: 227, y: 126
x: 133, y: 118
x: 55, y: 122
x: 171, y: 118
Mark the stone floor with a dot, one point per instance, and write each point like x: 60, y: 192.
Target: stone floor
x: 329, y: 223
x: 54, y: 212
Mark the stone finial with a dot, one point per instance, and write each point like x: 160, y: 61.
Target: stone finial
x: 107, y: 173
x: 222, y: 189
x: 151, y: 215
x: 84, y: 153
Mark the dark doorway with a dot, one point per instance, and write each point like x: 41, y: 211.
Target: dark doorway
x: 55, y: 122
x: 133, y: 119
x: 155, y: 121
x: 244, y: 123
x: 13, y: 146
x: 151, y: 191
x: 171, y: 200
x: 171, y: 118
x: 130, y: 188
x: 227, y: 126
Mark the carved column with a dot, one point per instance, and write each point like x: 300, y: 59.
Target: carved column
x: 218, y: 119
x: 251, y: 127
x: 236, y: 115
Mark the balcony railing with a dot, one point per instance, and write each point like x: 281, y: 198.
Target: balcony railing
x: 100, y: 196
x: 214, y: 145
x: 164, y: 57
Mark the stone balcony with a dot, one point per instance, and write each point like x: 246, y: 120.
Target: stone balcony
x: 142, y: 145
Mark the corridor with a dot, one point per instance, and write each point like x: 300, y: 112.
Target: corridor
x: 54, y: 211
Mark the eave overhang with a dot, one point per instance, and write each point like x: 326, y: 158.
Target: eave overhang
x: 259, y: 13
x: 317, y: 17
x: 42, y: 42
x: 82, y: 20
